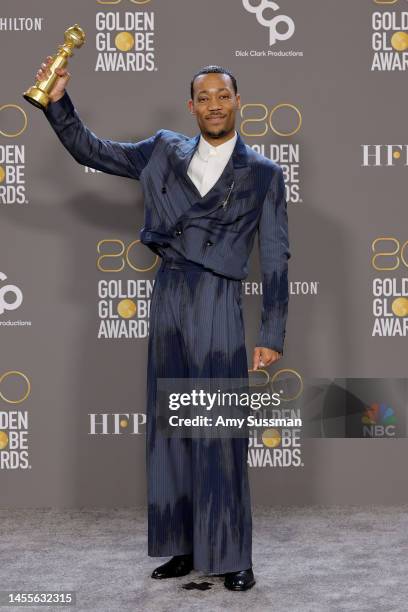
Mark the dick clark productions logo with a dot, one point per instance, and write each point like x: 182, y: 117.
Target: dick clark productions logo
x: 9, y: 290
x: 272, y: 24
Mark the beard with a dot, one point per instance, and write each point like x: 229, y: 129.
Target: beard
x: 216, y: 133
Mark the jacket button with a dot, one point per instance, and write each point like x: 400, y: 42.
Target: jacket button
x: 209, y: 243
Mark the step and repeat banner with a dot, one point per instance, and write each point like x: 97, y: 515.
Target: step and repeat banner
x: 323, y: 90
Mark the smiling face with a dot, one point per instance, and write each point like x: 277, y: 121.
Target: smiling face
x: 215, y: 105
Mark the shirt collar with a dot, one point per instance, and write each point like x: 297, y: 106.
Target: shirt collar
x: 205, y: 149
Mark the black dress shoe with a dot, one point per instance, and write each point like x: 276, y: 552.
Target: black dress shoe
x: 240, y: 581
x: 180, y: 565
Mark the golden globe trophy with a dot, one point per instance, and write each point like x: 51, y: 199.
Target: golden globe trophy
x: 38, y: 93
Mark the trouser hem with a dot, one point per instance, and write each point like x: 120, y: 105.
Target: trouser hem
x: 169, y: 554
x: 208, y: 571
x: 222, y: 570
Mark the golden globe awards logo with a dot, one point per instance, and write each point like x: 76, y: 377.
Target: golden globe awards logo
x: 15, y: 389
x: 12, y: 155
x: 125, y: 41
x: 390, y: 288
x: 277, y: 446
x: 123, y: 302
x: 389, y: 37
x: 282, y: 121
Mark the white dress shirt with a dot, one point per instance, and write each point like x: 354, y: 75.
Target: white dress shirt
x: 208, y: 163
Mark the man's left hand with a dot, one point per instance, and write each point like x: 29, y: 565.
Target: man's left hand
x: 263, y: 357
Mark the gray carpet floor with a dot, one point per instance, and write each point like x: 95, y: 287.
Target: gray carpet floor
x: 305, y: 559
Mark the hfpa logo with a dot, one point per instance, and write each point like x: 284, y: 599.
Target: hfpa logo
x: 272, y: 24
x: 385, y: 155
x: 116, y: 424
x: 378, y: 421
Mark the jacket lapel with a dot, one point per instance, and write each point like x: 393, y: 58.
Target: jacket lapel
x: 234, y: 173
x: 180, y: 160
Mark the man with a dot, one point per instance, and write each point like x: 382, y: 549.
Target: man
x: 205, y: 199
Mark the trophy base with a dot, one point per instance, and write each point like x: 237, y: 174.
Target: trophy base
x: 37, y: 97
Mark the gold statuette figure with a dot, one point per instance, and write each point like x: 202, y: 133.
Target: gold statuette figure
x: 38, y: 93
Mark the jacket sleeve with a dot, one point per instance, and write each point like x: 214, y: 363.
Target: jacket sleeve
x: 273, y: 242
x: 121, y: 158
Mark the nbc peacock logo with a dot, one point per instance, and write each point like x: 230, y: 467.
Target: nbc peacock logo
x: 378, y: 421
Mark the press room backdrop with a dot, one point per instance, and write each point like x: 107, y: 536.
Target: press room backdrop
x: 323, y: 86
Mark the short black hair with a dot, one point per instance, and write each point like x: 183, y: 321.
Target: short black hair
x: 209, y: 70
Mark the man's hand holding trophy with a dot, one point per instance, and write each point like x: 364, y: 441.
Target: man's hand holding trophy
x: 53, y: 76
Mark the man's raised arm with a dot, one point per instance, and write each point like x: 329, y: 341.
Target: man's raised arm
x: 121, y: 158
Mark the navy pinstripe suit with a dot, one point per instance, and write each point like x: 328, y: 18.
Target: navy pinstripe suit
x: 198, y: 491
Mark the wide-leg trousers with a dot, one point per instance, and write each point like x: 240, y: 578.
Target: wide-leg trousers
x: 198, y: 488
